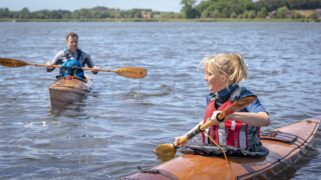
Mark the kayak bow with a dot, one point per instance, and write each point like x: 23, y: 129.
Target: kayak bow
x: 64, y: 92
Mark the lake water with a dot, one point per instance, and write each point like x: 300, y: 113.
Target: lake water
x: 122, y: 120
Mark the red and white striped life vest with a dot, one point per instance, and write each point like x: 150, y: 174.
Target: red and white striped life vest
x: 231, y: 132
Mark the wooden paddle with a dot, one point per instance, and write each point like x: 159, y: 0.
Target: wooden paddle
x: 166, y: 152
x: 129, y: 72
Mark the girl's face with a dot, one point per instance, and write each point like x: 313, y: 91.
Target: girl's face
x: 216, y: 82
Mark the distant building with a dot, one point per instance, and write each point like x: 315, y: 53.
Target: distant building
x: 317, y: 13
x: 271, y: 14
x: 147, y: 14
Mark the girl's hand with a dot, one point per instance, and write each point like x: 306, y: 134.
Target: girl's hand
x: 214, y: 117
x: 179, y: 141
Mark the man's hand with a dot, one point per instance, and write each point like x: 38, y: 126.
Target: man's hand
x: 50, y: 68
x: 95, y: 70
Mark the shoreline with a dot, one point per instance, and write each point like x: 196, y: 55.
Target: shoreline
x: 160, y: 20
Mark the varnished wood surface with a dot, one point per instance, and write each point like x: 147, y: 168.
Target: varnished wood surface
x: 64, y: 92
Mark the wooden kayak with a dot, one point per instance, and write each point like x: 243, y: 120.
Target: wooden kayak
x: 286, y: 145
x: 65, y: 92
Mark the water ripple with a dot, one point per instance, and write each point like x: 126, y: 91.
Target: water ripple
x: 114, y: 130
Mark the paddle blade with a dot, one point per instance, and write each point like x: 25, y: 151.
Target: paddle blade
x: 132, y: 72
x: 165, y: 152
x: 12, y: 62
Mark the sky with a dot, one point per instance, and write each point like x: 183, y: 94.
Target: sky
x: 34, y: 5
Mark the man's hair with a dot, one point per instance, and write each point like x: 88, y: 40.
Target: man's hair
x: 71, y: 34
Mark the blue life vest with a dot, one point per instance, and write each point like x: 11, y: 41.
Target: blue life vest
x: 72, y: 67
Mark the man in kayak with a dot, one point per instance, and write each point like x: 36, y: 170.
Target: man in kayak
x: 71, y: 58
x: 239, y: 130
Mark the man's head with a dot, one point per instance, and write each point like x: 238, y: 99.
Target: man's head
x: 72, y: 41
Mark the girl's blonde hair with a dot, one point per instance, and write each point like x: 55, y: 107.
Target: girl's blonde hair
x: 231, y: 64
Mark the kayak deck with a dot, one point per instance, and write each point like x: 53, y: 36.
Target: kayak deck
x: 285, y: 148
x: 65, y: 92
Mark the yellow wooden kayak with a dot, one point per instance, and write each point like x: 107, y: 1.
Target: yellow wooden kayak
x: 65, y: 92
x: 286, y: 146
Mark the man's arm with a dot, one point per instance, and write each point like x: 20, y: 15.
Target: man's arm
x: 88, y: 61
x: 55, y: 61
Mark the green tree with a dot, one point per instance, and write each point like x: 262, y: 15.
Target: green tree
x: 281, y: 12
x: 24, y: 14
x: 81, y: 14
x: 135, y: 13
x: 101, y: 12
x: 249, y: 14
x: 188, y: 10
x: 4, y: 13
x: 246, y: 5
x: 262, y: 13
x: 224, y: 8
x: 43, y: 14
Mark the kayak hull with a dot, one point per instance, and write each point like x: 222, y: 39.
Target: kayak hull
x: 285, y: 148
x: 64, y: 92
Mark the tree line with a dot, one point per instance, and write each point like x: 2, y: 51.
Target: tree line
x: 84, y: 13
x: 189, y: 10
x: 249, y: 8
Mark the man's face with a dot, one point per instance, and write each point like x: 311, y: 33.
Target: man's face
x: 72, y: 44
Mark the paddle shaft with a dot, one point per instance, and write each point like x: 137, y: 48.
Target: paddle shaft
x: 46, y: 65
x: 129, y: 72
x: 196, y: 130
